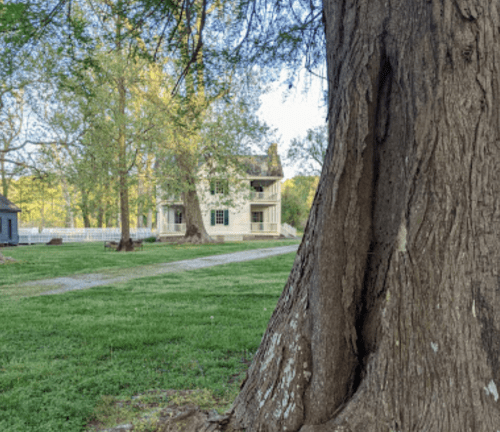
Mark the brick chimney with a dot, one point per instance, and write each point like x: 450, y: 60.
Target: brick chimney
x: 274, y: 163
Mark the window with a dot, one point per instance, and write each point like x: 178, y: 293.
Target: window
x: 178, y: 217
x: 219, y: 217
x: 257, y: 217
x: 10, y: 229
x: 218, y: 187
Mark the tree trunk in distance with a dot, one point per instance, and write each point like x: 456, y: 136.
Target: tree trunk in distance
x: 70, y: 220
x: 150, y: 219
x: 100, y: 216
x: 390, y: 317
x: 84, y: 207
x: 125, y: 244
x: 5, y: 180
x: 195, y: 229
x: 140, y: 206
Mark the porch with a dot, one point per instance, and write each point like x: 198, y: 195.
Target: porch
x: 171, y: 220
x: 264, y: 227
x: 264, y: 219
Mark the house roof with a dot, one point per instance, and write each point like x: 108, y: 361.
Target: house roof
x: 257, y: 165
x: 7, y: 206
x: 264, y: 165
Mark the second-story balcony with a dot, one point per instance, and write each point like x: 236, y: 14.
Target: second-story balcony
x: 263, y: 196
x: 173, y: 198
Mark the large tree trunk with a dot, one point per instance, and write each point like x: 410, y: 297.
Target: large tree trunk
x: 126, y: 244
x: 195, y: 229
x: 390, y: 318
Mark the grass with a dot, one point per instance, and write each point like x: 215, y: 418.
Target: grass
x: 42, y: 261
x: 67, y: 360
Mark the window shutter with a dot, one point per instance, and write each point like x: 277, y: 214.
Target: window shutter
x: 212, y: 217
x: 226, y: 217
x: 212, y: 187
x: 226, y: 187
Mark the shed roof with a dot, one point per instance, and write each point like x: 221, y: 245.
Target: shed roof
x: 7, y: 206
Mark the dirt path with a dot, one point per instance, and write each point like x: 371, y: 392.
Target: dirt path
x: 78, y: 282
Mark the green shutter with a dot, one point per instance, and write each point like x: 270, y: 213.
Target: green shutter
x: 226, y: 217
x: 212, y: 217
x: 212, y: 188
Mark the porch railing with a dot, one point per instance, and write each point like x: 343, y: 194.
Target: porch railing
x: 263, y: 196
x: 264, y: 227
x: 288, y: 230
x: 173, y: 228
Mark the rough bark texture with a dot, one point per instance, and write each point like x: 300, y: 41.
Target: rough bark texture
x: 69, y: 218
x: 195, y: 229
x: 390, y: 318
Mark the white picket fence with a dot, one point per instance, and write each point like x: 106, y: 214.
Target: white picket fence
x: 31, y: 235
x: 288, y: 230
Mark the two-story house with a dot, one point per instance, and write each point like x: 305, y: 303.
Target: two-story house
x: 255, y: 210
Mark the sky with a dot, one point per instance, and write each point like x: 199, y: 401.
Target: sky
x: 293, y: 112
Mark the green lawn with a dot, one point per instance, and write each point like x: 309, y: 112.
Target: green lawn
x: 66, y: 359
x: 42, y: 261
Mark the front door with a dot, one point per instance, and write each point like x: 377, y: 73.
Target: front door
x: 257, y: 221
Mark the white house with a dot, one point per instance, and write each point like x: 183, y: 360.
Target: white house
x: 256, y: 209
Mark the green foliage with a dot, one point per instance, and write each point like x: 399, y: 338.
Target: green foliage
x: 297, y: 195
x: 40, y: 199
x: 281, y: 35
x: 66, y: 358
x: 309, y: 152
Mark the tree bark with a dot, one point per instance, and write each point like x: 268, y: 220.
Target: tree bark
x: 389, y: 319
x: 5, y: 179
x: 125, y: 244
x: 84, y: 207
x: 140, y: 202
x: 69, y: 219
x: 195, y: 229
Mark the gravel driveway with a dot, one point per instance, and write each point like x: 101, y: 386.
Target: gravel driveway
x: 79, y: 282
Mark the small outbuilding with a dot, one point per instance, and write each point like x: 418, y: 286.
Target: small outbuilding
x: 8, y: 222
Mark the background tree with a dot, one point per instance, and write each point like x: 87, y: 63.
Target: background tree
x: 41, y: 198
x: 12, y: 141
x: 297, y: 196
x: 309, y: 152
